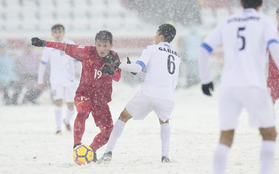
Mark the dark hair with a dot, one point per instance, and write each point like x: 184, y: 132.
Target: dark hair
x: 104, y: 35
x: 168, y: 31
x: 251, y: 3
x: 57, y: 27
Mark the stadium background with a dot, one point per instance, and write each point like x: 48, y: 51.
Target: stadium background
x: 132, y: 22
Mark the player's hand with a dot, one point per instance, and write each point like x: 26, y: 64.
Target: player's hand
x: 207, y: 88
x: 107, y: 69
x: 113, y: 59
x: 129, y: 62
x: 38, y: 42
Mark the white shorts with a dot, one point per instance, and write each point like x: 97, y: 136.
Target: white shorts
x: 141, y: 105
x: 256, y: 101
x: 67, y: 93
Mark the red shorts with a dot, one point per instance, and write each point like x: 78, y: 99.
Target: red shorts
x: 99, y: 111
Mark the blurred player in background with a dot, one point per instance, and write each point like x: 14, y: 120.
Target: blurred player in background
x: 157, y: 92
x: 99, y: 68
x: 244, y: 37
x: 273, y: 72
x: 27, y: 68
x: 62, y: 76
x: 9, y: 81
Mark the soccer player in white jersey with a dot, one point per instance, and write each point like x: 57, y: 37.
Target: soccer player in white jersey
x: 62, y: 76
x: 244, y: 38
x: 157, y: 91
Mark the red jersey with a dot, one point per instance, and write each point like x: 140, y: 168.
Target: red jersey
x: 94, y: 83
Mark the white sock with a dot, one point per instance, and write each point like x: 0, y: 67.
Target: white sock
x: 165, y: 138
x: 115, y: 134
x: 69, y: 115
x: 58, y: 117
x: 220, y: 159
x: 267, y: 153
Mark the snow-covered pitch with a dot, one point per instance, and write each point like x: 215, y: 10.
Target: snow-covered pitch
x: 28, y: 143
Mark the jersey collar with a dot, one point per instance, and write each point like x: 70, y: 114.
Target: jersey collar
x: 249, y: 10
x: 166, y: 44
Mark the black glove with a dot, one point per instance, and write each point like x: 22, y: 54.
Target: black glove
x: 129, y: 62
x: 113, y: 59
x: 207, y: 87
x: 38, y: 42
x: 107, y: 69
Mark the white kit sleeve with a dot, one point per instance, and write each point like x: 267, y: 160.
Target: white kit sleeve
x: 204, y: 66
x: 211, y: 42
x: 130, y: 67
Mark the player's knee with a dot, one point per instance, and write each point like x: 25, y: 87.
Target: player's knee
x: 70, y: 106
x: 269, y: 134
x: 124, y: 116
x: 83, y: 109
x: 83, y: 112
x: 82, y: 115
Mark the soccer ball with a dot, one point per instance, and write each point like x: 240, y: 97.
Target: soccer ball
x: 83, y: 154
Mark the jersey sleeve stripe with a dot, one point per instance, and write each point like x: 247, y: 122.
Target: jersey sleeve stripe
x: 141, y: 64
x: 44, y: 63
x: 207, y: 47
x: 272, y: 41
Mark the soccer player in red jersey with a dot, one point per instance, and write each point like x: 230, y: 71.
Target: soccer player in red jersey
x: 99, y: 68
x: 273, y: 73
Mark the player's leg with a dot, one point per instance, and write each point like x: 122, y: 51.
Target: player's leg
x: 103, y: 120
x: 262, y: 116
x: 221, y: 152
x: 267, y: 150
x: 118, y: 129
x: 115, y: 134
x: 83, y: 105
x: 163, y: 110
x: 138, y: 108
x: 165, y: 140
x: 69, y: 98
x: 229, y: 111
x: 57, y: 95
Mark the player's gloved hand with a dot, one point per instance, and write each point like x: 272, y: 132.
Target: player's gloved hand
x: 38, y: 42
x: 113, y: 59
x: 107, y: 69
x: 129, y: 62
x: 206, y: 88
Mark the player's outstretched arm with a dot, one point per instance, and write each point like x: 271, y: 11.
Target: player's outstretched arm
x: 74, y: 51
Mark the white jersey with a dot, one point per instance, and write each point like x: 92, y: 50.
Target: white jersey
x: 245, y: 38
x: 162, y: 64
x: 62, y: 67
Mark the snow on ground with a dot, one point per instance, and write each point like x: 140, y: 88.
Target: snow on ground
x: 28, y: 143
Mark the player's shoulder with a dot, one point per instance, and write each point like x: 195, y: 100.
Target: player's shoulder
x: 267, y: 19
x: 152, y: 47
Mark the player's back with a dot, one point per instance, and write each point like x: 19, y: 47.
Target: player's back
x: 245, y: 38
x: 162, y: 71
